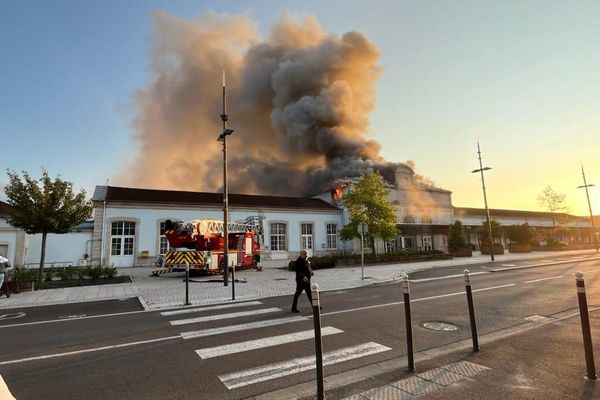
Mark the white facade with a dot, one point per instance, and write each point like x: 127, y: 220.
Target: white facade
x: 61, y: 250
x: 128, y: 233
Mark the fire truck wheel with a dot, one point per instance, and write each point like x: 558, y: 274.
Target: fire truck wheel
x: 222, y: 265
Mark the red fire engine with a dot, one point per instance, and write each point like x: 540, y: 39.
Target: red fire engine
x: 201, y: 243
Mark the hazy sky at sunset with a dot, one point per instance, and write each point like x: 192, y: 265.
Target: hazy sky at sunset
x: 523, y: 76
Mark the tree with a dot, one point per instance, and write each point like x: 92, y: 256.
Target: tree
x: 552, y: 202
x: 484, y: 236
x: 50, y: 207
x: 522, y: 234
x: 456, y: 237
x: 367, y: 202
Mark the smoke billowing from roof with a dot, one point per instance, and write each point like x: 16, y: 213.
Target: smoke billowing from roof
x: 298, y: 101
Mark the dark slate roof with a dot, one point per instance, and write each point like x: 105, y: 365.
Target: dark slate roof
x: 5, y: 208
x: 135, y: 195
x: 474, y: 212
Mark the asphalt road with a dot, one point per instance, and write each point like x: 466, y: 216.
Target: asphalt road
x: 116, y: 350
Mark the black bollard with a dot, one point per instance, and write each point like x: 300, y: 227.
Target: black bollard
x: 408, y: 319
x: 316, y: 305
x: 187, y: 284
x: 585, y: 327
x: 233, y: 282
x: 471, y: 311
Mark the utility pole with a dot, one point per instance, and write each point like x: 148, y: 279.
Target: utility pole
x: 586, y: 186
x: 487, y: 210
x: 223, y: 138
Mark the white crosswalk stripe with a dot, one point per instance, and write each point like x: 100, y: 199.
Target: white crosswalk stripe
x: 200, y: 309
x: 271, y: 371
x: 277, y: 370
x: 241, y: 327
x: 248, y: 345
x: 224, y: 316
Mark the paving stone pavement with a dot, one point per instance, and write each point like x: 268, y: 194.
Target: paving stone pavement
x: 167, y: 291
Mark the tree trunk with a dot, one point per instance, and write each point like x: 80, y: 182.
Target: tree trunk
x: 553, y: 228
x: 42, y: 258
x: 372, y: 239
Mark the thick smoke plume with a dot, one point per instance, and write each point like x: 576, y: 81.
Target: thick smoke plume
x: 298, y: 101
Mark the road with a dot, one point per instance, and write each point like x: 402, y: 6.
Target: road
x: 116, y: 350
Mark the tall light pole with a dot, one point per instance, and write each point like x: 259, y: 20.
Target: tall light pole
x: 487, y: 210
x: 223, y: 138
x: 586, y: 186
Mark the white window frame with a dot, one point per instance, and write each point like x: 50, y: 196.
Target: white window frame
x: 281, y: 237
x: 331, y: 237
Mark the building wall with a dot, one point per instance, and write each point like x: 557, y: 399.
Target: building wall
x: 63, y: 249
x: 148, y: 218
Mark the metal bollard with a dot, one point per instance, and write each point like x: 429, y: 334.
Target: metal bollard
x: 408, y: 319
x: 471, y: 311
x: 187, y: 284
x: 233, y: 282
x: 585, y: 327
x: 316, y: 305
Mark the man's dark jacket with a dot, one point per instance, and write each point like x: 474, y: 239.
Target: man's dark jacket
x: 302, y: 270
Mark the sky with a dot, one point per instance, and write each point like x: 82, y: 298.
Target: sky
x: 519, y: 76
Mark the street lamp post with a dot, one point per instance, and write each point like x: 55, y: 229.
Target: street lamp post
x: 487, y: 210
x: 223, y: 138
x: 586, y: 186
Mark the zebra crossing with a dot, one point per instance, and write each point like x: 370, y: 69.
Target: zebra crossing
x: 260, y: 373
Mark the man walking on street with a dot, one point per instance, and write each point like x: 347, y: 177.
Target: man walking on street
x: 303, y: 273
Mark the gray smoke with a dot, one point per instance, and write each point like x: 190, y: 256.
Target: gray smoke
x: 299, y: 103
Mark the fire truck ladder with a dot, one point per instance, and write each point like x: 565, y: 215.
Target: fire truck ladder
x: 212, y: 226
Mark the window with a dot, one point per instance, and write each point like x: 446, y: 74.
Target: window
x: 408, y: 219
x: 278, y: 236
x: 427, y: 243
x: 306, y: 237
x: 122, y: 238
x: 390, y: 246
x: 163, y: 243
x: 332, y: 236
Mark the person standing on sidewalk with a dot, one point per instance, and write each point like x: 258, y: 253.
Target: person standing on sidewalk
x: 303, y: 274
x: 4, y: 266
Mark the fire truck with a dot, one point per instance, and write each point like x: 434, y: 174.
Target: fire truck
x: 200, y: 243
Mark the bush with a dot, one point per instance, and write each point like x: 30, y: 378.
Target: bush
x: 109, y: 272
x: 26, y: 274
x: 292, y: 265
x: 67, y: 273
x: 50, y: 273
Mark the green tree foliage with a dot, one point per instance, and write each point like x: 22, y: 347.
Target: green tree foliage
x: 44, y: 206
x: 456, y: 237
x: 522, y: 234
x: 552, y: 202
x: 484, y: 236
x: 367, y: 202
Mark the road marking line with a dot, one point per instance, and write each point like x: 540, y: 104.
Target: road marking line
x: 395, y: 303
x: 240, y: 327
x: 200, y: 309
x: 494, y: 287
x: 74, y: 319
x: 224, y: 316
x: 70, y: 353
x: 509, y: 265
x: 248, y: 345
x: 447, y: 277
x: 544, y: 279
x: 277, y: 370
x: 4, y: 392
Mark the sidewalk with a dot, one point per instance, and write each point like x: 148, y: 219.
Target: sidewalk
x: 169, y: 290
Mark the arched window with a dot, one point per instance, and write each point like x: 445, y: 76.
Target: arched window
x: 408, y: 219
